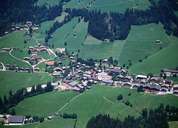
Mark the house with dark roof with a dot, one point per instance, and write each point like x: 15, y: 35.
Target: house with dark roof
x: 15, y: 120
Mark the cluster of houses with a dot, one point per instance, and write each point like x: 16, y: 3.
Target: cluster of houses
x: 81, y: 76
x: 12, y: 67
x: 23, y: 27
x: 34, y: 57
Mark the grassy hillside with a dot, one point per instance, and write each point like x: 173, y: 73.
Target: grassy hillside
x: 141, y: 42
x: 14, y: 39
x: 14, y: 81
x: 109, y: 5
x: 100, y: 99
x: 51, y: 101
x: 61, y: 34
x: 7, y: 59
x: 166, y: 58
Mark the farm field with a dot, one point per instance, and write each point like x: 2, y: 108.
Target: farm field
x: 139, y: 45
x: 158, y: 61
x: 141, y: 42
x: 52, y: 102
x: 11, y: 40
x: 7, y: 59
x: 109, y: 5
x: 14, y: 81
x: 100, y: 99
x: 61, y: 34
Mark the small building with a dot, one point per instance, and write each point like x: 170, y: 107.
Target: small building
x: 175, y: 89
x: 15, y: 120
x: 170, y: 72
x: 50, y: 63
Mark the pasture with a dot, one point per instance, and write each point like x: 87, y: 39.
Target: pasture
x: 13, y: 40
x: 166, y: 58
x: 51, y: 103
x: 100, y: 99
x: 7, y: 59
x: 14, y: 80
x: 109, y: 5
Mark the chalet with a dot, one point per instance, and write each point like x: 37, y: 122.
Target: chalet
x: 29, y: 23
x: 141, y: 78
x: 60, y: 50
x: 108, y: 82
x: 29, y: 89
x: 175, y: 89
x: 103, y: 76
x: 152, y: 87
x: 15, y: 120
x: 127, y: 84
x: 73, y: 83
x: 156, y: 79
x: 43, y: 86
x: 50, y: 63
x: 170, y: 72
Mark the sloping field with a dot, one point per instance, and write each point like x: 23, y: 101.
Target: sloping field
x: 51, y: 103
x: 141, y: 42
x: 100, y: 99
x: 166, y: 58
x: 14, y: 81
x: 14, y: 39
x: 109, y: 5
x: 61, y: 34
x: 7, y: 59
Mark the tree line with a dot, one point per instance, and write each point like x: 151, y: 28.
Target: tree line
x: 20, y: 11
x: 157, y: 118
x: 14, y: 98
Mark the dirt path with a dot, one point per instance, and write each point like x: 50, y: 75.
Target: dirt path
x: 3, y: 67
x: 10, y: 53
x: 108, y: 100
x: 65, y: 105
x: 51, y: 51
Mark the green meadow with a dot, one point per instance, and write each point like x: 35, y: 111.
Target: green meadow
x: 14, y: 80
x: 7, y: 59
x: 109, y: 5
x: 12, y: 40
x: 166, y: 58
x: 98, y: 100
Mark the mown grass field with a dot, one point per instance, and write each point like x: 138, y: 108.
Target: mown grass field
x: 100, y: 99
x: 108, y: 5
x: 14, y: 39
x: 51, y: 103
x: 166, y: 58
x: 7, y: 59
x: 141, y: 42
x: 14, y: 81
